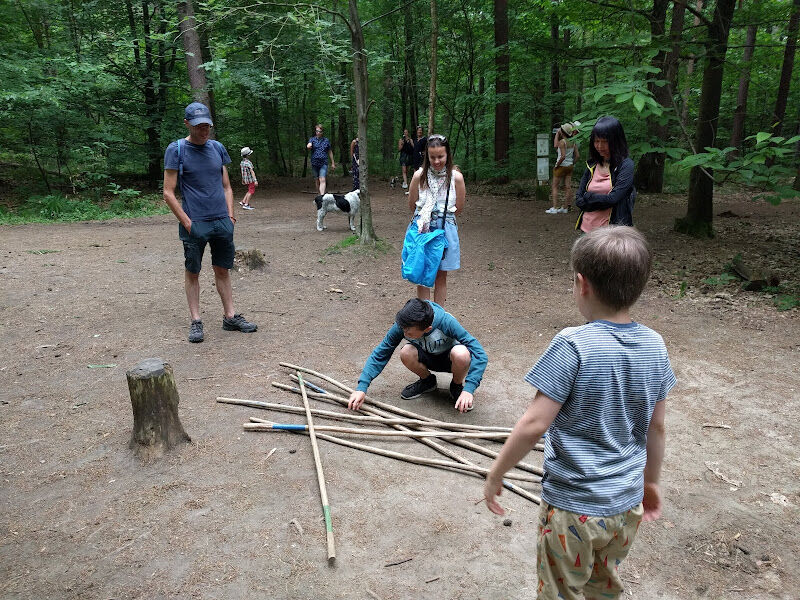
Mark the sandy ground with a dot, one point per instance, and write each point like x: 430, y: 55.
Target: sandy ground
x: 82, y: 518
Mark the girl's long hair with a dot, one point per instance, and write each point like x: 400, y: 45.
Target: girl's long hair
x: 436, y: 140
x: 609, y: 128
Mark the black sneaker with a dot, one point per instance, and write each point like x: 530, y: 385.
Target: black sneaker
x: 238, y: 323
x: 419, y: 387
x: 196, y: 331
x: 455, y: 390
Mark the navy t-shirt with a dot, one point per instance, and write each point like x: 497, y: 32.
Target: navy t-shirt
x: 202, y: 194
x: 319, y: 151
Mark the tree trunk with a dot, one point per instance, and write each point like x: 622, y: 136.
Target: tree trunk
x: 361, y: 84
x: 502, y: 105
x: 557, y: 107
x: 739, y: 114
x: 410, y: 68
x: 649, y: 175
x: 194, y: 52
x: 699, y: 214
x: 388, y: 140
x: 689, y: 71
x: 154, y: 397
x: 434, y: 66
x: 786, y: 70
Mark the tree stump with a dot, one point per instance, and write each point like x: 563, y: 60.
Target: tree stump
x: 154, y: 397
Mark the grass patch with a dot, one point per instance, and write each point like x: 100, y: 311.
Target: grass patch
x: 353, y: 242
x: 57, y: 208
x: 721, y: 279
x: 42, y: 251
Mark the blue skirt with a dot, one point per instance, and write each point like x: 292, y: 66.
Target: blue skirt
x: 451, y: 261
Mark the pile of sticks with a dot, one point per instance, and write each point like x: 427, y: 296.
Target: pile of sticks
x: 396, y: 422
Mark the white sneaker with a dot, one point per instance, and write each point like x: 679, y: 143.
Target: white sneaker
x: 247, y: 207
x: 405, y: 185
x: 563, y: 210
x: 552, y: 211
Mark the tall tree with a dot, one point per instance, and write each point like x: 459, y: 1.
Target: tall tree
x: 194, y: 52
x: 649, y: 175
x: 502, y: 107
x: 699, y: 214
x: 434, y: 66
x: 739, y: 114
x: 786, y: 70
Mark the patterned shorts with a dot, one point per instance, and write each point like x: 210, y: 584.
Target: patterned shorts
x: 578, y: 555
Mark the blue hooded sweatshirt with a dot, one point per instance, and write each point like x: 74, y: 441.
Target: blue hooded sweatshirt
x: 446, y: 333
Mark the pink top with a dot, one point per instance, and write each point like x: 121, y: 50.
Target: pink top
x: 600, y: 184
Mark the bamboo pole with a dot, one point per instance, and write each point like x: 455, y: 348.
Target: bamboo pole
x: 355, y: 418
x: 334, y: 399
x: 434, y: 445
x: 323, y: 492
x: 272, y: 426
x: 419, y: 460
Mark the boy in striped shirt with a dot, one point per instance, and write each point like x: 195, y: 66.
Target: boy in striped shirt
x: 600, y: 391
x: 248, y: 178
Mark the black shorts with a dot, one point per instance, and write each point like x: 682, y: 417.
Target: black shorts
x: 436, y: 362
x: 218, y: 234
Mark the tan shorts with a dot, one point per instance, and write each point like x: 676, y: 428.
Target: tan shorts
x: 578, y: 555
x: 563, y: 171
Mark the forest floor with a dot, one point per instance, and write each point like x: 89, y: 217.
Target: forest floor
x: 83, y: 303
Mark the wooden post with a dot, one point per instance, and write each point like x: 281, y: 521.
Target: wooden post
x: 154, y: 397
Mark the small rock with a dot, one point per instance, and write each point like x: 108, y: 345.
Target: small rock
x: 292, y: 451
x: 507, y: 522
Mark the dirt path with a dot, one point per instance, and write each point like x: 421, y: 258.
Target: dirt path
x: 82, y: 519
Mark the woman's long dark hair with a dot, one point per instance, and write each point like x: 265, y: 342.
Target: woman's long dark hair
x: 435, y: 141
x: 609, y: 128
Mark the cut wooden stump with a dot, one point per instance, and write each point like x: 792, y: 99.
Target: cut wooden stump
x: 154, y: 398
x: 755, y: 278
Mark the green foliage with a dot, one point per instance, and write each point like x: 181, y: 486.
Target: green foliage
x: 58, y: 208
x: 786, y: 301
x: 350, y: 240
x: 759, y: 167
x: 720, y: 280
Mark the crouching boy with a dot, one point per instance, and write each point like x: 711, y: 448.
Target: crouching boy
x: 600, y: 398
x: 436, y: 342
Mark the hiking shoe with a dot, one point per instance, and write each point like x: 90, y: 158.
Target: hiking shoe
x: 196, y: 331
x: 552, y: 211
x: 419, y: 387
x: 248, y: 207
x: 455, y: 390
x: 238, y: 323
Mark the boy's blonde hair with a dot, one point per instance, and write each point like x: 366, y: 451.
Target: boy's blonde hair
x: 616, y: 261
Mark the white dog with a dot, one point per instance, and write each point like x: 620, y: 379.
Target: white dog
x: 348, y: 203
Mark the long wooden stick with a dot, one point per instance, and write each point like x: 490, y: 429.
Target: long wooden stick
x: 419, y: 460
x: 271, y: 426
x: 333, y: 398
x: 355, y: 418
x: 323, y: 492
x: 434, y: 445
x: 429, y: 420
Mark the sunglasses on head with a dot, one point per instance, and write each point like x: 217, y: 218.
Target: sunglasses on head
x: 438, y: 138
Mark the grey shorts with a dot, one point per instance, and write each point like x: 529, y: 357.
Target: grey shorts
x: 218, y: 234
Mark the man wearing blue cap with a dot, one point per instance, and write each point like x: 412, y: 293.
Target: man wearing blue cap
x: 196, y: 164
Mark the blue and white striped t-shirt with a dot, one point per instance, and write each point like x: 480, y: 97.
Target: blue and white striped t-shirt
x: 608, y: 378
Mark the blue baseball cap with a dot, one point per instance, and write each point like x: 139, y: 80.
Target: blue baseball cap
x: 197, y: 113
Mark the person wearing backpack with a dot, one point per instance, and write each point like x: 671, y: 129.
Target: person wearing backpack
x: 196, y: 165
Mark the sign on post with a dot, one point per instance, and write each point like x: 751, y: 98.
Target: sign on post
x: 543, y: 157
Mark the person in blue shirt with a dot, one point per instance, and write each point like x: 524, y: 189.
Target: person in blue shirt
x: 436, y: 342
x: 320, y: 152
x: 600, y: 396
x: 196, y: 165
